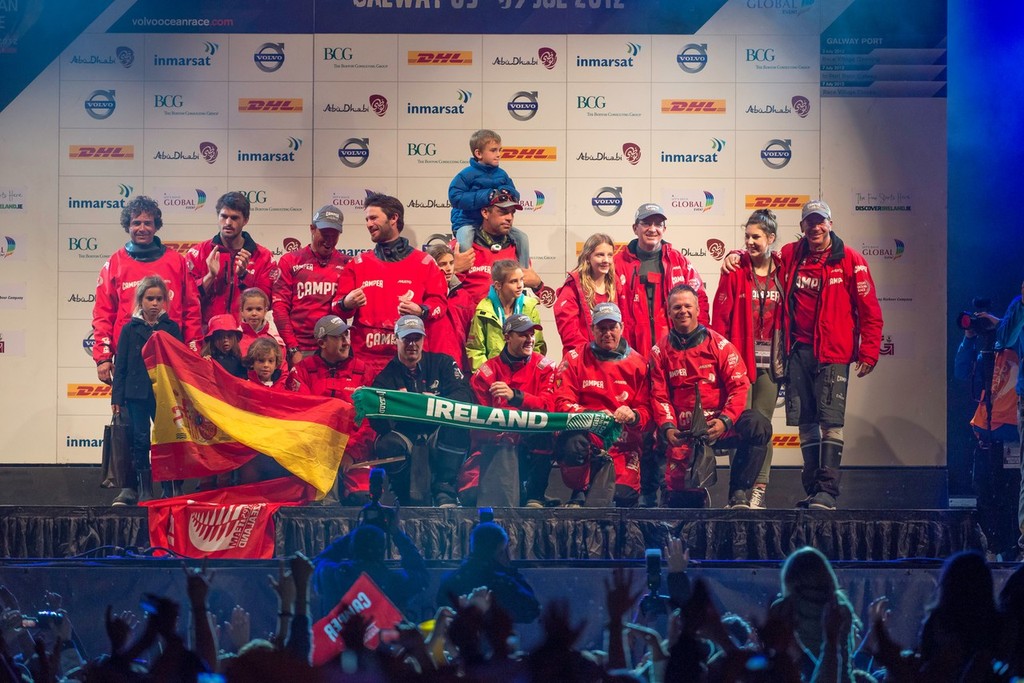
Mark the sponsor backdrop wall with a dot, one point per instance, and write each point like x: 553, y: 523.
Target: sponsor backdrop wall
x: 712, y: 111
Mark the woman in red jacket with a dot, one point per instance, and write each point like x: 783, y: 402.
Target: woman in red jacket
x: 744, y: 310
x: 592, y: 282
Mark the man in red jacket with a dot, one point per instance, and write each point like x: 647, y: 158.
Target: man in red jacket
x: 647, y: 269
x: 144, y: 254
x: 381, y: 285
x: 606, y: 375
x: 308, y: 283
x: 516, y: 378
x: 832, y: 320
x: 231, y: 262
x: 698, y: 378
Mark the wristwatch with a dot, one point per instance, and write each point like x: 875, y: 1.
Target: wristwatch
x: 293, y: 350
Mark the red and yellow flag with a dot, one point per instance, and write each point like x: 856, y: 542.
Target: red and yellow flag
x: 208, y: 421
x: 1004, y: 393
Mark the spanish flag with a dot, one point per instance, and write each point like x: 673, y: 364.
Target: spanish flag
x: 208, y: 421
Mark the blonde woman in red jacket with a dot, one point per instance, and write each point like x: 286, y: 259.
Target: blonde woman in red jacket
x: 744, y: 311
x: 592, y: 282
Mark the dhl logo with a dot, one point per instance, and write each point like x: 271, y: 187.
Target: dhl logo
x: 286, y: 106
x: 181, y: 247
x: 120, y: 152
x: 616, y: 248
x: 529, y: 153
x: 786, y: 441
x: 776, y: 201
x: 693, y: 106
x: 89, y: 391
x: 425, y: 57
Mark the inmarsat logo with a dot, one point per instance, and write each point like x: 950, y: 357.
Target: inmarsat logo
x: 225, y: 528
x: 270, y: 57
x: 100, y: 104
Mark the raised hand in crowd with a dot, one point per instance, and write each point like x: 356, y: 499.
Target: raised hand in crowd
x: 236, y: 631
x: 197, y: 586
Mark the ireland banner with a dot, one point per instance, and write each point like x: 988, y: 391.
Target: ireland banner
x: 404, y: 405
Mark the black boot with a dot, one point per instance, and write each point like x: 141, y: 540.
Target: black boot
x: 812, y: 462
x: 127, y: 496
x: 145, y: 485
x: 826, y: 478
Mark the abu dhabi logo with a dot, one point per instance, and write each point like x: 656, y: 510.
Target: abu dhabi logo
x: 693, y: 57
x: 548, y: 57
x: 379, y: 104
x: 607, y: 201
x: 100, y: 105
x: 208, y: 151
x: 354, y: 152
x: 801, y: 105
x: 270, y: 57
x: 777, y: 153
x: 523, y: 105
x: 716, y: 248
x: 632, y: 152
x: 224, y: 528
x: 125, y: 55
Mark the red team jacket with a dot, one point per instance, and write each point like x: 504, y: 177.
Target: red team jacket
x: 572, y: 314
x: 632, y: 295
x: 303, y: 294
x: 416, y: 277
x: 848, y: 310
x: 115, y: 299
x: 477, y: 280
x: 733, y: 310
x: 714, y: 365
x: 225, y: 292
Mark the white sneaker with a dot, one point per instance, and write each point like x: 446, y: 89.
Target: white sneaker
x: 757, y: 497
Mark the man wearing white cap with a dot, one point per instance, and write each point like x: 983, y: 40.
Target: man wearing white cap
x: 421, y: 372
x: 647, y: 269
x: 307, y: 284
x: 607, y: 375
x: 832, y: 320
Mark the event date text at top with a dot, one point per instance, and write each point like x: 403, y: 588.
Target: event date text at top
x: 503, y: 4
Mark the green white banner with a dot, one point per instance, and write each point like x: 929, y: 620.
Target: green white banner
x: 404, y: 405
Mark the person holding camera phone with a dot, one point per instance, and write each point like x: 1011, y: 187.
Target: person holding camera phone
x: 1010, y: 335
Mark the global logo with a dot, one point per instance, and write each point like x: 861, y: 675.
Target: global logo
x: 379, y: 104
x: 631, y: 151
x: 7, y: 247
x: 209, y: 151
x: 523, y: 105
x: 716, y: 248
x: 270, y: 57
x: 889, y: 254
x: 548, y: 57
x: 796, y: 7
x: 693, y: 57
x: 126, y: 56
x: 801, y: 105
x: 532, y: 204
x: 540, y: 200
x: 100, y: 104
x: 694, y: 205
x: 777, y: 153
x: 354, y: 152
x: 607, y: 201
x: 185, y: 202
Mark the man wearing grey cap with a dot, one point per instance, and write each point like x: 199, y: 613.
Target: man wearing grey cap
x: 832, y: 320
x: 417, y: 480
x: 307, y: 284
x: 501, y: 463
x: 608, y: 376
x: 647, y: 269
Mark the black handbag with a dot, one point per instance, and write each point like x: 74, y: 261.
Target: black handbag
x: 117, y: 470
x: 704, y: 468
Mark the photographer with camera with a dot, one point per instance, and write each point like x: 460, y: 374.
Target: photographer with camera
x: 364, y: 550
x: 1010, y: 337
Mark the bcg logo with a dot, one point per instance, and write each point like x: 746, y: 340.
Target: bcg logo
x: 337, y: 54
x: 427, y: 57
x: 82, y: 244
x: 167, y: 101
x: 421, y: 149
x: 255, y: 196
x: 760, y: 54
x: 354, y: 152
x: 590, y: 102
x: 607, y: 201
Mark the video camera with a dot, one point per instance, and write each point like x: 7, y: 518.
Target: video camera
x: 373, y: 512
x: 41, y: 619
x: 976, y: 322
